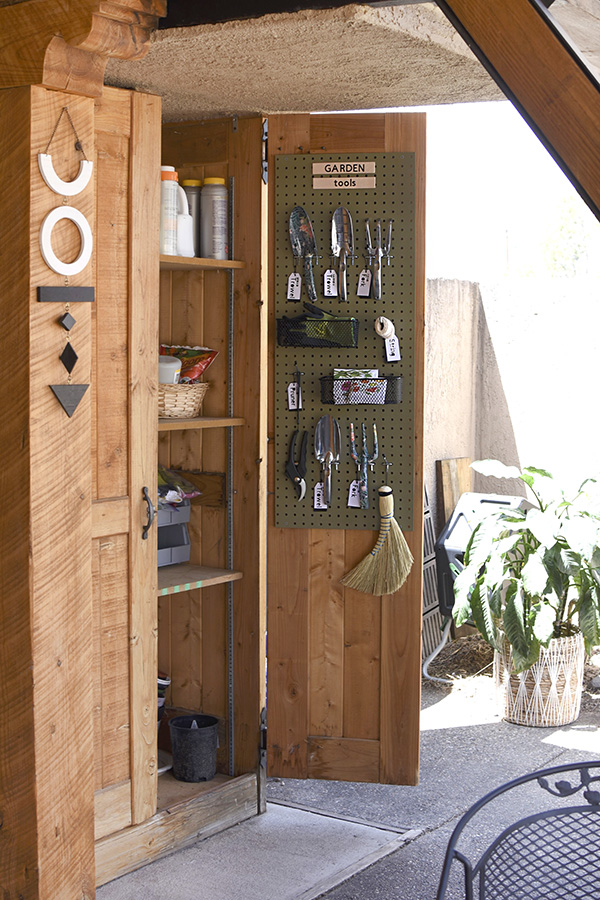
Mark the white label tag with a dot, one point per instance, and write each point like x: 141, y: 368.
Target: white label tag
x: 364, y: 283
x: 319, y: 496
x: 392, y: 349
x: 330, y: 286
x: 294, y: 286
x: 294, y: 394
x: 354, y: 495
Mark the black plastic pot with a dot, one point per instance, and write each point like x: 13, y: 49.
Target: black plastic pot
x: 194, y: 749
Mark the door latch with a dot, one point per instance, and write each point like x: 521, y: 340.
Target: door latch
x: 151, y: 512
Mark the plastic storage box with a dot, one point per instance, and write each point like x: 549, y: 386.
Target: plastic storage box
x: 173, y: 537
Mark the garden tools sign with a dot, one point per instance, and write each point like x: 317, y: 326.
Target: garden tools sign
x: 358, y: 175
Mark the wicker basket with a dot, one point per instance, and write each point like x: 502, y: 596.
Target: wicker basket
x: 180, y: 401
x: 549, y: 693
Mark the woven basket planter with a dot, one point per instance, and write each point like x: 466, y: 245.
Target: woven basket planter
x: 549, y: 693
x: 180, y: 401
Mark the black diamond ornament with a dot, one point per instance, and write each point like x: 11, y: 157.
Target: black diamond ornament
x: 69, y: 395
x: 67, y: 321
x: 68, y: 358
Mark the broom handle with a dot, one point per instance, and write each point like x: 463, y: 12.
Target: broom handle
x: 386, y: 514
x: 386, y: 502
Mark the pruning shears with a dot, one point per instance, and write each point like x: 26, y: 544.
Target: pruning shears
x: 296, y: 470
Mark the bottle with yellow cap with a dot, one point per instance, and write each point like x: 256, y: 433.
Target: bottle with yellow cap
x: 213, y: 219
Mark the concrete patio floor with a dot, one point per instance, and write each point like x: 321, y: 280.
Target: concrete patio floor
x: 354, y: 841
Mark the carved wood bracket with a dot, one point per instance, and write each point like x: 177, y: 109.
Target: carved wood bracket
x: 64, y: 44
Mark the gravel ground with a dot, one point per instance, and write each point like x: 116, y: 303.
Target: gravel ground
x: 470, y: 658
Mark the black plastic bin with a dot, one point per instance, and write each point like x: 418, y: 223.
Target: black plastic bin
x: 194, y: 749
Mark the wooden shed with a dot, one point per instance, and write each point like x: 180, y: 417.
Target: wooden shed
x: 87, y: 619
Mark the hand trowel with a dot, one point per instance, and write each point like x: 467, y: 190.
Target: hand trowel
x: 327, y: 450
x: 302, y: 239
x: 342, y: 245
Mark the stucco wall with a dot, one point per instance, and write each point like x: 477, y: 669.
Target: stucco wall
x: 466, y: 410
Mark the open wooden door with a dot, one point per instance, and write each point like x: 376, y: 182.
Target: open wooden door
x: 344, y: 667
x: 124, y: 442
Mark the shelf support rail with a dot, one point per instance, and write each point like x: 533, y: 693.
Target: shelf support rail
x: 230, y: 492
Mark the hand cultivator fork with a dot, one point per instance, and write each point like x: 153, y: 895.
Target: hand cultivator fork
x: 363, y: 461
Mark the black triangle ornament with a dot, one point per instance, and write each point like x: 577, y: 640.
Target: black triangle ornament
x: 69, y: 395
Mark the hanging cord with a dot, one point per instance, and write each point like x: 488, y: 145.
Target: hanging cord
x: 78, y: 144
x: 438, y: 650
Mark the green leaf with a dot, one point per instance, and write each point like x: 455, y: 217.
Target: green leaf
x: 493, y: 468
x: 534, y: 574
x: 461, y: 611
x: 543, y: 526
x: 543, y: 473
x: 569, y: 562
x: 581, y: 533
x: 543, y: 625
x: 525, y: 646
x: 482, y: 615
x: 589, y: 619
x: 558, y: 579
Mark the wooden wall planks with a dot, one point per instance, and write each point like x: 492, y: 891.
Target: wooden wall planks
x: 18, y: 849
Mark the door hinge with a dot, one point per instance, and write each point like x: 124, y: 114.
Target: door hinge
x: 265, y: 153
x: 263, y: 739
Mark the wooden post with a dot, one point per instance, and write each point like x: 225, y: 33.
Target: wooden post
x: 46, y: 743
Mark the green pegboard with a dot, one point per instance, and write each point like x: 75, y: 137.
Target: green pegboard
x: 393, y: 197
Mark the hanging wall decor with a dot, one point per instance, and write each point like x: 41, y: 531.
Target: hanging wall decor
x: 46, y: 166
x: 69, y: 395
x: 65, y: 189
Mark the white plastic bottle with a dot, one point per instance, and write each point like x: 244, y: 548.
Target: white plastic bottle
x: 213, y: 219
x: 168, y: 210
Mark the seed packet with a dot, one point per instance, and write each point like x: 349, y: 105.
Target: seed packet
x: 194, y: 360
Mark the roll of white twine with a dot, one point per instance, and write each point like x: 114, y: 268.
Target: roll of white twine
x: 384, y: 327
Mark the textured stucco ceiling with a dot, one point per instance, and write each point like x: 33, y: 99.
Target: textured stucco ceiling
x: 354, y: 57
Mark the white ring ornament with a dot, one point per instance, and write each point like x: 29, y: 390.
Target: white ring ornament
x: 85, y: 232
x: 56, y: 184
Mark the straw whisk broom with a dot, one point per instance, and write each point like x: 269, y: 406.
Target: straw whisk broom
x: 386, y: 568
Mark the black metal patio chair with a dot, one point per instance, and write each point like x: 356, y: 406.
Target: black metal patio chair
x: 548, y: 850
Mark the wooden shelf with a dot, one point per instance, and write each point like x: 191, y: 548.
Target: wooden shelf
x: 177, y: 263
x: 173, y: 424
x: 184, y: 577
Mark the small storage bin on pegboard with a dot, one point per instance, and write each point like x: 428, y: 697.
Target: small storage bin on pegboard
x: 317, y: 328
x: 383, y: 390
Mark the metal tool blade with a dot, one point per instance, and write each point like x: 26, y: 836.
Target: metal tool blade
x: 327, y: 450
x: 342, y: 245
x: 304, y: 246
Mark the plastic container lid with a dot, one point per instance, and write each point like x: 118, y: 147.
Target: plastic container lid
x: 191, y: 182
x: 214, y: 181
x: 169, y: 368
x: 167, y: 168
x: 166, y: 175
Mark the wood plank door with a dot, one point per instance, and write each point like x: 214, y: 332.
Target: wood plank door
x: 124, y: 454
x: 344, y: 667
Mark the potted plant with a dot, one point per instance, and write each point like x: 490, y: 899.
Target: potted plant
x: 531, y: 586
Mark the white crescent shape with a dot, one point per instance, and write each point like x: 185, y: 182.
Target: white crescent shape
x: 56, y: 184
x: 85, y: 232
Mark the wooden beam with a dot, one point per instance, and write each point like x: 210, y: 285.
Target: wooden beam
x: 144, y: 195
x: 46, y: 612
x: 64, y: 44
x: 543, y: 76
